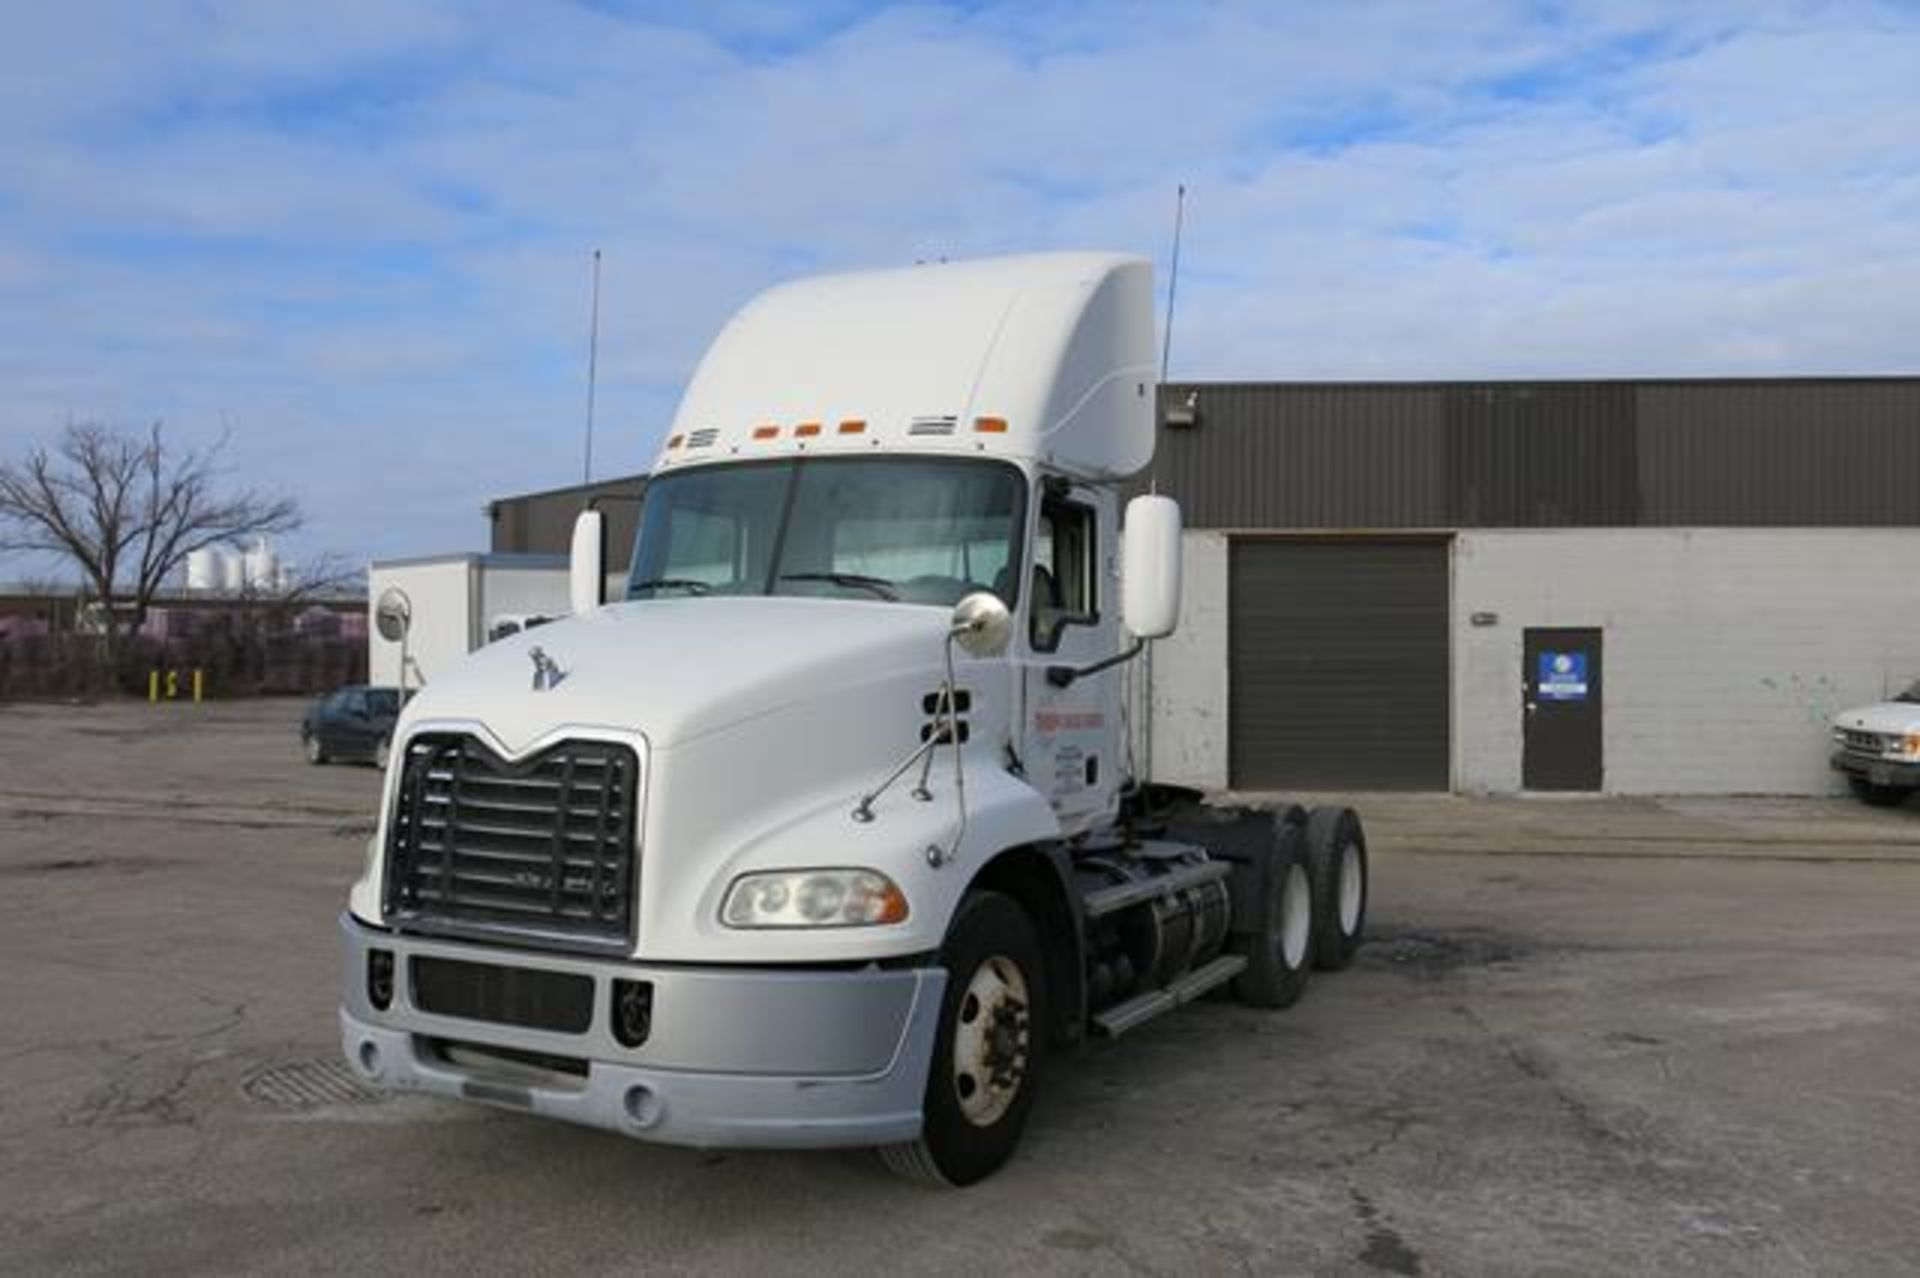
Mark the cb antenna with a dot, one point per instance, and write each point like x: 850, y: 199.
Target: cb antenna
x: 1173, y: 277
x: 593, y: 366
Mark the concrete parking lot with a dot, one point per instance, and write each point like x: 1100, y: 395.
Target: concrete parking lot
x: 1589, y: 1037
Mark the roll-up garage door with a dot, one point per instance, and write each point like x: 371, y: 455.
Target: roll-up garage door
x: 1338, y: 659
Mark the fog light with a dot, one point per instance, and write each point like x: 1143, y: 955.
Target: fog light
x: 369, y: 1057
x: 380, y: 979
x: 644, y: 1107
x: 632, y: 1012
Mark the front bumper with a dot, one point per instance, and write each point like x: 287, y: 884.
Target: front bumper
x: 759, y: 1057
x: 1879, y: 771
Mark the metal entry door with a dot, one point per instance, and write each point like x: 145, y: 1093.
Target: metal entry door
x: 1561, y: 710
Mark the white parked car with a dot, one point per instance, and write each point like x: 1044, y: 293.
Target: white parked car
x: 1878, y: 747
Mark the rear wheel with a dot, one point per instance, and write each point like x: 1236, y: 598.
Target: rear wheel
x: 1337, y: 861
x: 1880, y: 796
x: 986, y: 1055
x: 1279, y: 952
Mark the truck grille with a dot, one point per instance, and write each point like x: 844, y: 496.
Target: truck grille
x: 539, y: 851
x: 1862, y: 742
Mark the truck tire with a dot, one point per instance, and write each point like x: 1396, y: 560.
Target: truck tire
x: 1337, y: 864
x: 987, y: 1053
x: 1879, y: 796
x: 1279, y: 952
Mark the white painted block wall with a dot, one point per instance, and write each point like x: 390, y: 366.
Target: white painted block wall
x: 1725, y: 650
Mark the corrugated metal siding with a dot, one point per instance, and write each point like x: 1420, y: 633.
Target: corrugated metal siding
x: 1784, y: 453
x: 1337, y: 664
x: 1321, y: 456
x: 1821, y: 452
x: 1553, y: 455
x: 1815, y: 452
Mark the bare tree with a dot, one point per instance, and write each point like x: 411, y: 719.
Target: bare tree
x: 126, y: 510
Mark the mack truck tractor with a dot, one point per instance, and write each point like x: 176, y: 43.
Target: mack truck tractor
x: 829, y: 828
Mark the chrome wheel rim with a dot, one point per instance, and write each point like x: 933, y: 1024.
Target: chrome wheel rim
x: 991, y: 1037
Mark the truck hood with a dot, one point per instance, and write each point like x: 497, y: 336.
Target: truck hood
x: 1887, y: 716
x: 677, y: 669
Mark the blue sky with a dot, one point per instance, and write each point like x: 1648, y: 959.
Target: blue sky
x: 356, y: 235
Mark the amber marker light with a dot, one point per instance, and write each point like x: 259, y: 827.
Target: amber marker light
x: 853, y: 428
x: 674, y: 441
x: 990, y: 425
x: 807, y: 430
x: 766, y: 432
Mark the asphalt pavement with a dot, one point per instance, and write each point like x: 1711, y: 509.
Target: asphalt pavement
x: 1589, y: 1036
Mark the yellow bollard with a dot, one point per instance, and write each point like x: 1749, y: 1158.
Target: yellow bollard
x: 153, y: 687
x: 198, y: 684
x: 173, y: 685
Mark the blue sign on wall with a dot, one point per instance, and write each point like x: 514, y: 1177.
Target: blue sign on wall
x: 1562, y: 676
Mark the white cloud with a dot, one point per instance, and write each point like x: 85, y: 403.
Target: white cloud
x: 360, y: 233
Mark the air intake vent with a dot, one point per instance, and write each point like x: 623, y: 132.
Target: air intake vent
x: 703, y: 438
x: 933, y: 426
x: 934, y: 706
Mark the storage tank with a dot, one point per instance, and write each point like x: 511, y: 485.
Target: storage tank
x: 207, y: 570
x: 259, y: 568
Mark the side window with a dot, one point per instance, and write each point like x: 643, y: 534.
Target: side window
x: 1063, y: 571
x: 356, y: 706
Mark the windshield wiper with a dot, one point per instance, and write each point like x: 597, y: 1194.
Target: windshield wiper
x: 671, y: 583
x: 878, y: 585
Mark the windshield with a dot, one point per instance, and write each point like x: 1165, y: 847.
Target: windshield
x: 907, y: 529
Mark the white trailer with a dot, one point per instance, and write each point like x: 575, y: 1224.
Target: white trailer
x: 456, y: 603
x: 827, y: 832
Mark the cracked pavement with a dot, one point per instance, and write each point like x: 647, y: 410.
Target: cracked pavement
x: 1627, y: 1036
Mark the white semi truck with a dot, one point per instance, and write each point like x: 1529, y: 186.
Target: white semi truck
x: 829, y: 831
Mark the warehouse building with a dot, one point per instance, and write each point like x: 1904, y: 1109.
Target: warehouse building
x: 1652, y: 586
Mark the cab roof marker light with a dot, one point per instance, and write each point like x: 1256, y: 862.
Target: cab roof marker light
x: 807, y: 430
x: 853, y: 427
x: 766, y: 432
x: 674, y: 441
x: 990, y: 425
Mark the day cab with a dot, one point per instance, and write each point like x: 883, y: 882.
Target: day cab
x: 828, y: 828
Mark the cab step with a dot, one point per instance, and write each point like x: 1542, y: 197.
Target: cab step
x: 1121, y: 1017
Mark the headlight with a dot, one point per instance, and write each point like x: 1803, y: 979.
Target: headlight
x: 813, y: 898
x: 1908, y: 744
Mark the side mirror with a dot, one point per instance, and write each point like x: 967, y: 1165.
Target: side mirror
x: 981, y: 624
x: 1150, y: 567
x: 586, y: 576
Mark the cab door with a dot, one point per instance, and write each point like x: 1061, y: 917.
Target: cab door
x: 1069, y: 735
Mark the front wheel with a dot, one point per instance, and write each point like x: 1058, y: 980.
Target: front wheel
x: 986, y: 1055
x: 316, y: 754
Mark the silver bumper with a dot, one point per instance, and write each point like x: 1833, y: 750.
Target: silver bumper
x: 769, y: 1058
